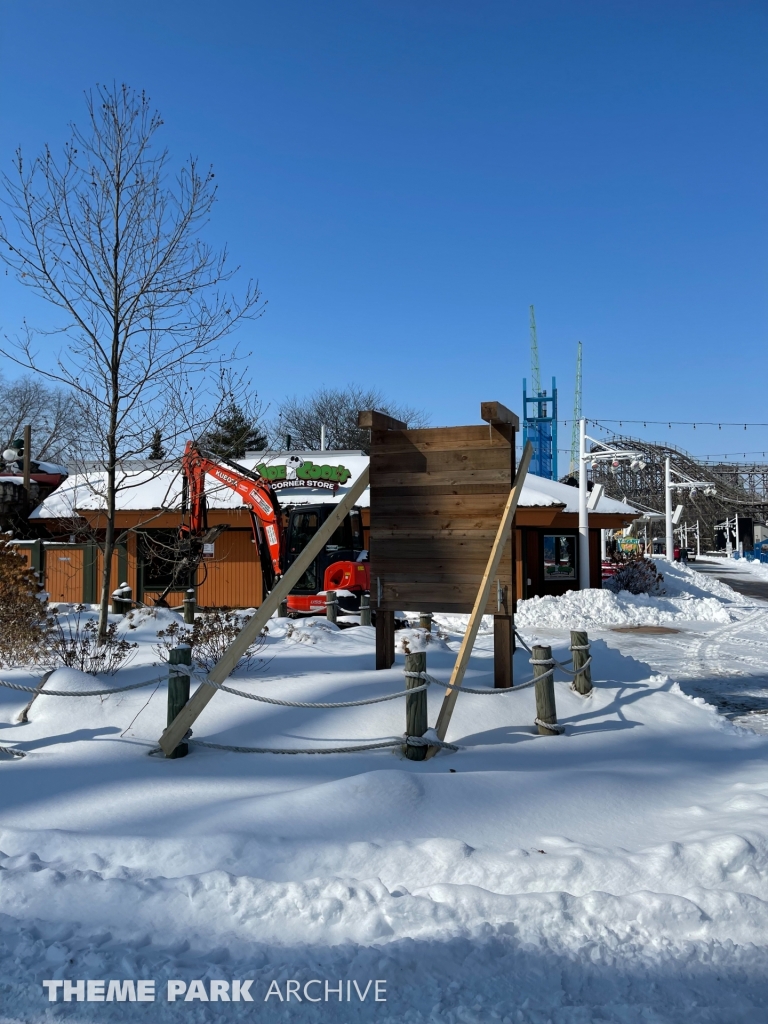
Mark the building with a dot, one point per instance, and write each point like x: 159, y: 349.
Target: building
x: 70, y: 521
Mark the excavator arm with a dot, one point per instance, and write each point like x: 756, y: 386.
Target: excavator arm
x: 255, y: 492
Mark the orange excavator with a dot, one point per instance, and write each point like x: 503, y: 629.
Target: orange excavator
x: 280, y: 534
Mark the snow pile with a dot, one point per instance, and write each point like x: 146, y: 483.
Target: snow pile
x: 616, y: 873
x: 688, y: 597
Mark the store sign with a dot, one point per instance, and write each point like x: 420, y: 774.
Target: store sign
x: 297, y: 473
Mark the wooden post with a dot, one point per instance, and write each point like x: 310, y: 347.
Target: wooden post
x: 282, y: 609
x: 385, y: 639
x: 503, y: 649
x: 425, y: 621
x: 27, y: 468
x: 415, y: 706
x: 178, y: 690
x: 582, y: 681
x: 491, y: 569
x: 331, y: 606
x: 122, y: 600
x: 545, y: 689
x: 190, y: 601
x: 365, y: 610
x: 253, y: 627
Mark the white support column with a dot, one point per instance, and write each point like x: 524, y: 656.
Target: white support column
x: 698, y: 540
x: 670, y: 540
x: 584, y: 581
x: 603, y: 545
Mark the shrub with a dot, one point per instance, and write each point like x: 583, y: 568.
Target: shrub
x: 209, y: 637
x: 73, y: 643
x: 637, y: 575
x: 24, y: 617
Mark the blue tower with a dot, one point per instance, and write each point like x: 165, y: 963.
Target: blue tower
x: 540, y: 428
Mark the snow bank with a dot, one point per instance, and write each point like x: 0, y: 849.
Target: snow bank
x: 616, y: 873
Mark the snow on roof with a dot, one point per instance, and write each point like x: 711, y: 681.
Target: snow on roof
x: 538, y: 491
x: 141, y: 488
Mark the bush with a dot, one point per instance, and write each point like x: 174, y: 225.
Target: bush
x: 637, y: 575
x: 25, y: 621
x: 209, y: 638
x: 73, y: 643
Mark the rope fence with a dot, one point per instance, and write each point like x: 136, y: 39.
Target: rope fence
x: 180, y: 673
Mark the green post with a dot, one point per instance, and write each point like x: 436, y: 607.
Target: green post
x: 189, y: 606
x: 282, y: 609
x: 425, y: 621
x: 545, y: 690
x: 365, y: 609
x: 331, y: 605
x: 416, y: 705
x: 178, y: 689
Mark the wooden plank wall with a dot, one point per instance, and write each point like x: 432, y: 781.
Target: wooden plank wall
x: 64, y: 571
x: 230, y: 580
x: 437, y: 496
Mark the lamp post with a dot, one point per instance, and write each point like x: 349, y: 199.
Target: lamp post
x: 675, y: 479
x: 601, y: 452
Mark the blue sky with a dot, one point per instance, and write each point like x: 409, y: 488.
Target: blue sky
x: 404, y: 179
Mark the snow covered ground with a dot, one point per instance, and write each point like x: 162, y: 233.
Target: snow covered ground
x: 616, y: 873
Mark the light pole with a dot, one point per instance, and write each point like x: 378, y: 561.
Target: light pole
x: 675, y: 479
x: 583, y: 512
x: 601, y: 452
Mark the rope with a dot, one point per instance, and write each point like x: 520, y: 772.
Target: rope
x: 13, y: 752
x: 411, y: 741
x: 80, y: 693
x: 310, y: 704
x: 557, y: 729
x: 463, y: 689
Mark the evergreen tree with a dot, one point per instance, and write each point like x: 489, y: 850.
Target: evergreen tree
x: 233, y: 434
x: 156, y: 450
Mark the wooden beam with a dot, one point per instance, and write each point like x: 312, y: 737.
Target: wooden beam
x: 253, y: 627
x: 370, y: 419
x: 495, y: 412
x: 502, y: 536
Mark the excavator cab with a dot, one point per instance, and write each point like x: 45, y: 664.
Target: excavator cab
x: 340, y: 555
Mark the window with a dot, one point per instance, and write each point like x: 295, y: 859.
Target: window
x: 158, y: 555
x: 559, y: 556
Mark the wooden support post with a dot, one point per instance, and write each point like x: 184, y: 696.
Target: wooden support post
x: 582, y: 681
x: 415, y: 705
x: 253, y: 627
x: 23, y: 715
x: 331, y: 606
x: 425, y: 621
x: 503, y: 649
x: 122, y: 600
x: 491, y: 570
x: 190, y: 603
x: 178, y: 690
x: 385, y: 639
x: 365, y: 610
x: 282, y: 609
x: 545, y: 689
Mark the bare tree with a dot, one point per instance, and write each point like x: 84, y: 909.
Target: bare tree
x: 104, y: 235
x: 52, y: 412
x: 300, y: 419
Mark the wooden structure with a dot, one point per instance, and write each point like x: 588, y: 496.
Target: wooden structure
x: 437, y: 498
